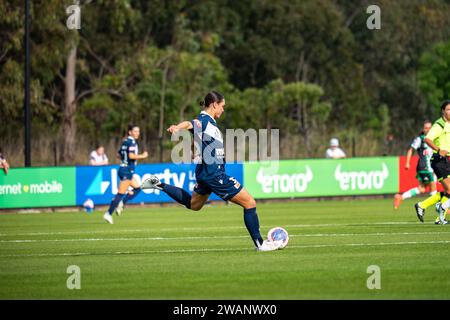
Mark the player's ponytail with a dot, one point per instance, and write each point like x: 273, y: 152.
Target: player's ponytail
x: 210, y: 98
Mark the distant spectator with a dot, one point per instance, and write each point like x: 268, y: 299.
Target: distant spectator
x: 98, y: 157
x: 4, y: 164
x: 334, y: 152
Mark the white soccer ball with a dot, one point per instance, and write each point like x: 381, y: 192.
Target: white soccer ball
x: 279, y: 235
x: 89, y: 205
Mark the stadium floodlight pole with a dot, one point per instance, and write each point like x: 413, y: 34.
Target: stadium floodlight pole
x: 26, y: 101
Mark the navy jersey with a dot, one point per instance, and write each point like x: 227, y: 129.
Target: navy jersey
x: 208, y: 146
x: 128, y: 146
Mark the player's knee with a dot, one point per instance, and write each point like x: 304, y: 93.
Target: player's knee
x: 251, y: 203
x: 196, y: 207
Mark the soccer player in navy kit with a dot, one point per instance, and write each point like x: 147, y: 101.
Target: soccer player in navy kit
x: 129, y: 154
x: 210, y: 171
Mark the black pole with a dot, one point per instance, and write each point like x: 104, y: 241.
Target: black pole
x: 353, y: 147
x: 26, y: 101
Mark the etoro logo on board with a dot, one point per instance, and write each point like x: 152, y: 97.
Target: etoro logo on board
x: 285, y: 183
x: 32, y: 188
x: 361, y: 180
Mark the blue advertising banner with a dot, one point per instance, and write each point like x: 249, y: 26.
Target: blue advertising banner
x: 100, y: 184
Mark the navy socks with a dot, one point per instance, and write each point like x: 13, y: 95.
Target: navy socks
x: 122, y: 197
x: 252, y: 223
x: 115, y: 202
x: 250, y: 216
x: 129, y: 197
x: 179, y: 195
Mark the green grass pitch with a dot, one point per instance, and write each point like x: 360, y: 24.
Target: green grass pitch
x: 173, y: 253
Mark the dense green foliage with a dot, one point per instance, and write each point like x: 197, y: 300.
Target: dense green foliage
x: 311, y: 68
x: 169, y: 253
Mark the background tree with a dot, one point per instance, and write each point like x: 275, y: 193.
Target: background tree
x: 310, y: 68
x: 434, y: 76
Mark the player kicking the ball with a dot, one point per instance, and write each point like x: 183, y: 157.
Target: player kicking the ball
x: 210, y: 171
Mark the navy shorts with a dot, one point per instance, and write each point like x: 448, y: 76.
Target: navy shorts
x: 224, y: 186
x: 125, y: 173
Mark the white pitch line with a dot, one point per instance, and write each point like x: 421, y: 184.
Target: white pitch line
x: 119, y: 239
x: 222, y: 249
x: 320, y: 235
x: 207, y: 228
x: 374, y: 244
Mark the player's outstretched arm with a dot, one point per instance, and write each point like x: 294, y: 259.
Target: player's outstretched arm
x: 408, y: 158
x: 442, y: 153
x: 133, y: 156
x: 185, y: 125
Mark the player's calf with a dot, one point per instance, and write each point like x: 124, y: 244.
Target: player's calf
x: 179, y: 195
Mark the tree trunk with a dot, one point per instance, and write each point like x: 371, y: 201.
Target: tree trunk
x: 182, y: 109
x: 302, y: 69
x: 70, y: 107
x: 161, y: 110
x: 303, y: 127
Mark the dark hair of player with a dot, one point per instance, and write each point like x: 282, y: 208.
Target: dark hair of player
x: 131, y: 127
x: 211, y: 97
x: 424, y: 123
x: 444, y: 104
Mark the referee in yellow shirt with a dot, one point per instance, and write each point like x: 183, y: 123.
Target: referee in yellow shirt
x: 438, y: 138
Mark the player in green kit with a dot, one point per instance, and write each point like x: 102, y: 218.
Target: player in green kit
x: 425, y: 175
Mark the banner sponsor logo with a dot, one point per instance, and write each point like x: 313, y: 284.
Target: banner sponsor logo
x: 33, y: 188
x: 100, y: 184
x: 276, y: 183
x: 69, y: 186
x: 361, y: 180
x: 321, y: 177
x: 37, y: 187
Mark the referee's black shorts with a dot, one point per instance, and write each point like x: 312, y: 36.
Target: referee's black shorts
x: 440, y: 166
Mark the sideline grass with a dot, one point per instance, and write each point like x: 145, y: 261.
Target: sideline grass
x: 171, y: 253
